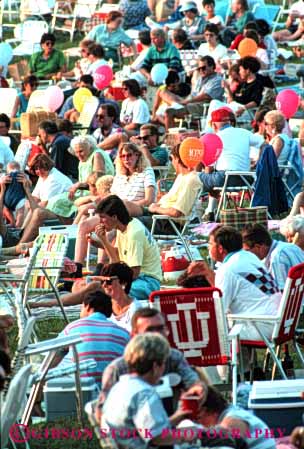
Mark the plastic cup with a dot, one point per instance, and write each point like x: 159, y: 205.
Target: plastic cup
x: 191, y: 403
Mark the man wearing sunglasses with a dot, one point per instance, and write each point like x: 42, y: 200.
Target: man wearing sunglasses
x: 47, y: 63
x: 106, y: 116
x: 149, y: 145
x: 207, y: 87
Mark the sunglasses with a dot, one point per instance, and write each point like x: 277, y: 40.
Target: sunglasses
x: 144, y: 137
x: 49, y: 44
x: 109, y: 280
x: 128, y: 155
x: 125, y: 88
x: 202, y: 68
x: 99, y: 116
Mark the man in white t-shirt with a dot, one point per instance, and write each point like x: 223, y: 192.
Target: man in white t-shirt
x: 246, y: 284
x: 234, y: 157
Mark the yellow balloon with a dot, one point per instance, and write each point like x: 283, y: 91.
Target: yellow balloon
x: 80, y: 97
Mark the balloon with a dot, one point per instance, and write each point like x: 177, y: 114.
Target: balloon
x: 213, y: 147
x: 287, y: 102
x: 159, y: 73
x: 54, y: 97
x: 247, y: 47
x: 103, y: 75
x: 191, y: 151
x: 80, y: 97
x: 6, y: 53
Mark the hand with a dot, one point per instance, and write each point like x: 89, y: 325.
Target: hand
x: 101, y: 233
x: 150, y: 81
x: 199, y: 390
x: 297, y: 437
x: 179, y: 416
x: 201, y: 268
x: 136, y: 140
x: 153, y: 207
x: 72, y: 191
x: 6, y: 179
x: 24, y: 181
x: 240, y: 111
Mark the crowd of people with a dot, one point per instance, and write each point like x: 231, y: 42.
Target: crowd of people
x: 107, y: 183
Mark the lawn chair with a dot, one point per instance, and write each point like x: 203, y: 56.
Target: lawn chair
x: 198, y: 327
x: 23, y: 152
x: 285, y: 321
x: 10, y: 8
x: 12, y: 407
x: 86, y: 116
x: 27, y: 37
x: 8, y: 97
x: 81, y: 9
x: 42, y: 272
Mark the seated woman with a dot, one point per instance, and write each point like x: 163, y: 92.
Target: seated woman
x: 239, y: 17
x: 212, y: 46
x: 96, y: 59
x: 294, y: 25
x: 146, y: 356
x: 47, y: 63
x: 192, y: 23
x: 275, y: 124
x: 82, y: 64
x: 28, y: 86
x: 292, y: 228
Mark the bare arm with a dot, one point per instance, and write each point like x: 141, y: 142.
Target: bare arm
x: 15, y: 107
x: 278, y: 145
x: 156, y: 209
x: 111, y: 251
x: 98, y: 164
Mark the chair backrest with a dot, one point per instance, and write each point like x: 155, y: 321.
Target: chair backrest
x: 85, y: 8
x: 23, y: 153
x: 14, y: 400
x: 197, y: 324
x: 36, y: 100
x: 87, y: 113
x: 52, y: 250
x: 31, y: 31
x: 290, y: 305
x: 8, y: 97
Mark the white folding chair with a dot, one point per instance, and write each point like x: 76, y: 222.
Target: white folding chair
x: 27, y: 37
x: 87, y: 114
x: 285, y: 321
x: 8, y: 97
x: 13, y: 404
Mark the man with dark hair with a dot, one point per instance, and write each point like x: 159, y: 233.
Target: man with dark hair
x: 57, y: 145
x: 151, y: 320
x: 47, y: 63
x: 5, y: 125
x: 208, y: 87
x: 148, y: 141
x: 106, y: 116
x: 278, y: 256
x: 246, y: 284
x: 133, y: 245
x: 101, y: 339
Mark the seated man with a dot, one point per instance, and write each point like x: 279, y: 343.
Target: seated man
x: 148, y: 141
x: 246, y: 284
x: 278, y: 256
x: 133, y: 245
x: 179, y: 201
x: 207, y: 87
x: 102, y: 340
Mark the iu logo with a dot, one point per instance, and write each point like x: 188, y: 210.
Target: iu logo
x: 192, y: 347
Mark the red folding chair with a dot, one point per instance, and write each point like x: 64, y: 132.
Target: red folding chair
x: 285, y: 322
x: 198, y: 327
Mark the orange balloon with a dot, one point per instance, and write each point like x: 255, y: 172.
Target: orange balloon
x: 247, y: 47
x: 191, y: 151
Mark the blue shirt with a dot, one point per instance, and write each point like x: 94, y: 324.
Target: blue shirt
x: 102, y: 341
x: 112, y: 39
x: 280, y: 258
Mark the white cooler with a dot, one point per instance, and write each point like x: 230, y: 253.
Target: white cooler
x: 278, y: 403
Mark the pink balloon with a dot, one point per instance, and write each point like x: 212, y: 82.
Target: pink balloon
x: 53, y: 99
x: 287, y: 102
x: 103, y: 75
x: 213, y: 147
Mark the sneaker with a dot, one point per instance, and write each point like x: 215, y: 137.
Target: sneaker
x: 208, y: 217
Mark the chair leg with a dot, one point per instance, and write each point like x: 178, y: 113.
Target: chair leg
x: 181, y: 237
x: 278, y: 350
x: 299, y: 352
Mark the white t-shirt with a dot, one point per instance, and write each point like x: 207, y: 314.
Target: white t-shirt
x: 6, y: 154
x: 134, y: 111
x: 133, y: 188
x: 124, y: 320
x: 236, y: 149
x: 240, y: 295
x: 55, y: 183
x: 217, y: 53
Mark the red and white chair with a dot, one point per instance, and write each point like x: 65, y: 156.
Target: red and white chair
x: 285, y: 322
x: 198, y: 327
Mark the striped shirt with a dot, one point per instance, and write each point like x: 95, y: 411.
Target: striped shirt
x: 169, y: 55
x: 102, y: 341
x: 132, y: 188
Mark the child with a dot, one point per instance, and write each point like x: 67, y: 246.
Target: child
x: 99, y: 190
x: 14, y: 199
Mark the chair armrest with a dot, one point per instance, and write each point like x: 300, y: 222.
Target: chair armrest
x: 243, y: 317
x: 235, y: 331
x: 54, y: 343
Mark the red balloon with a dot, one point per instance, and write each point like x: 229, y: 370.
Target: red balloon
x: 287, y: 102
x: 213, y: 147
x: 103, y: 75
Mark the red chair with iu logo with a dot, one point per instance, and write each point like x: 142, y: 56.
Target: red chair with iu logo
x: 198, y: 327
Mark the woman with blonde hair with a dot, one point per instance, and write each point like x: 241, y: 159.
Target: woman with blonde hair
x: 274, y: 125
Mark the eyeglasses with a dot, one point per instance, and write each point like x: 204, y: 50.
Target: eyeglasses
x: 49, y: 44
x: 127, y: 155
x: 202, y: 68
x: 145, y: 137
x: 109, y: 280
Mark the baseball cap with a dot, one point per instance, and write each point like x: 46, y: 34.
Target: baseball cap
x: 223, y: 114
x: 187, y: 6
